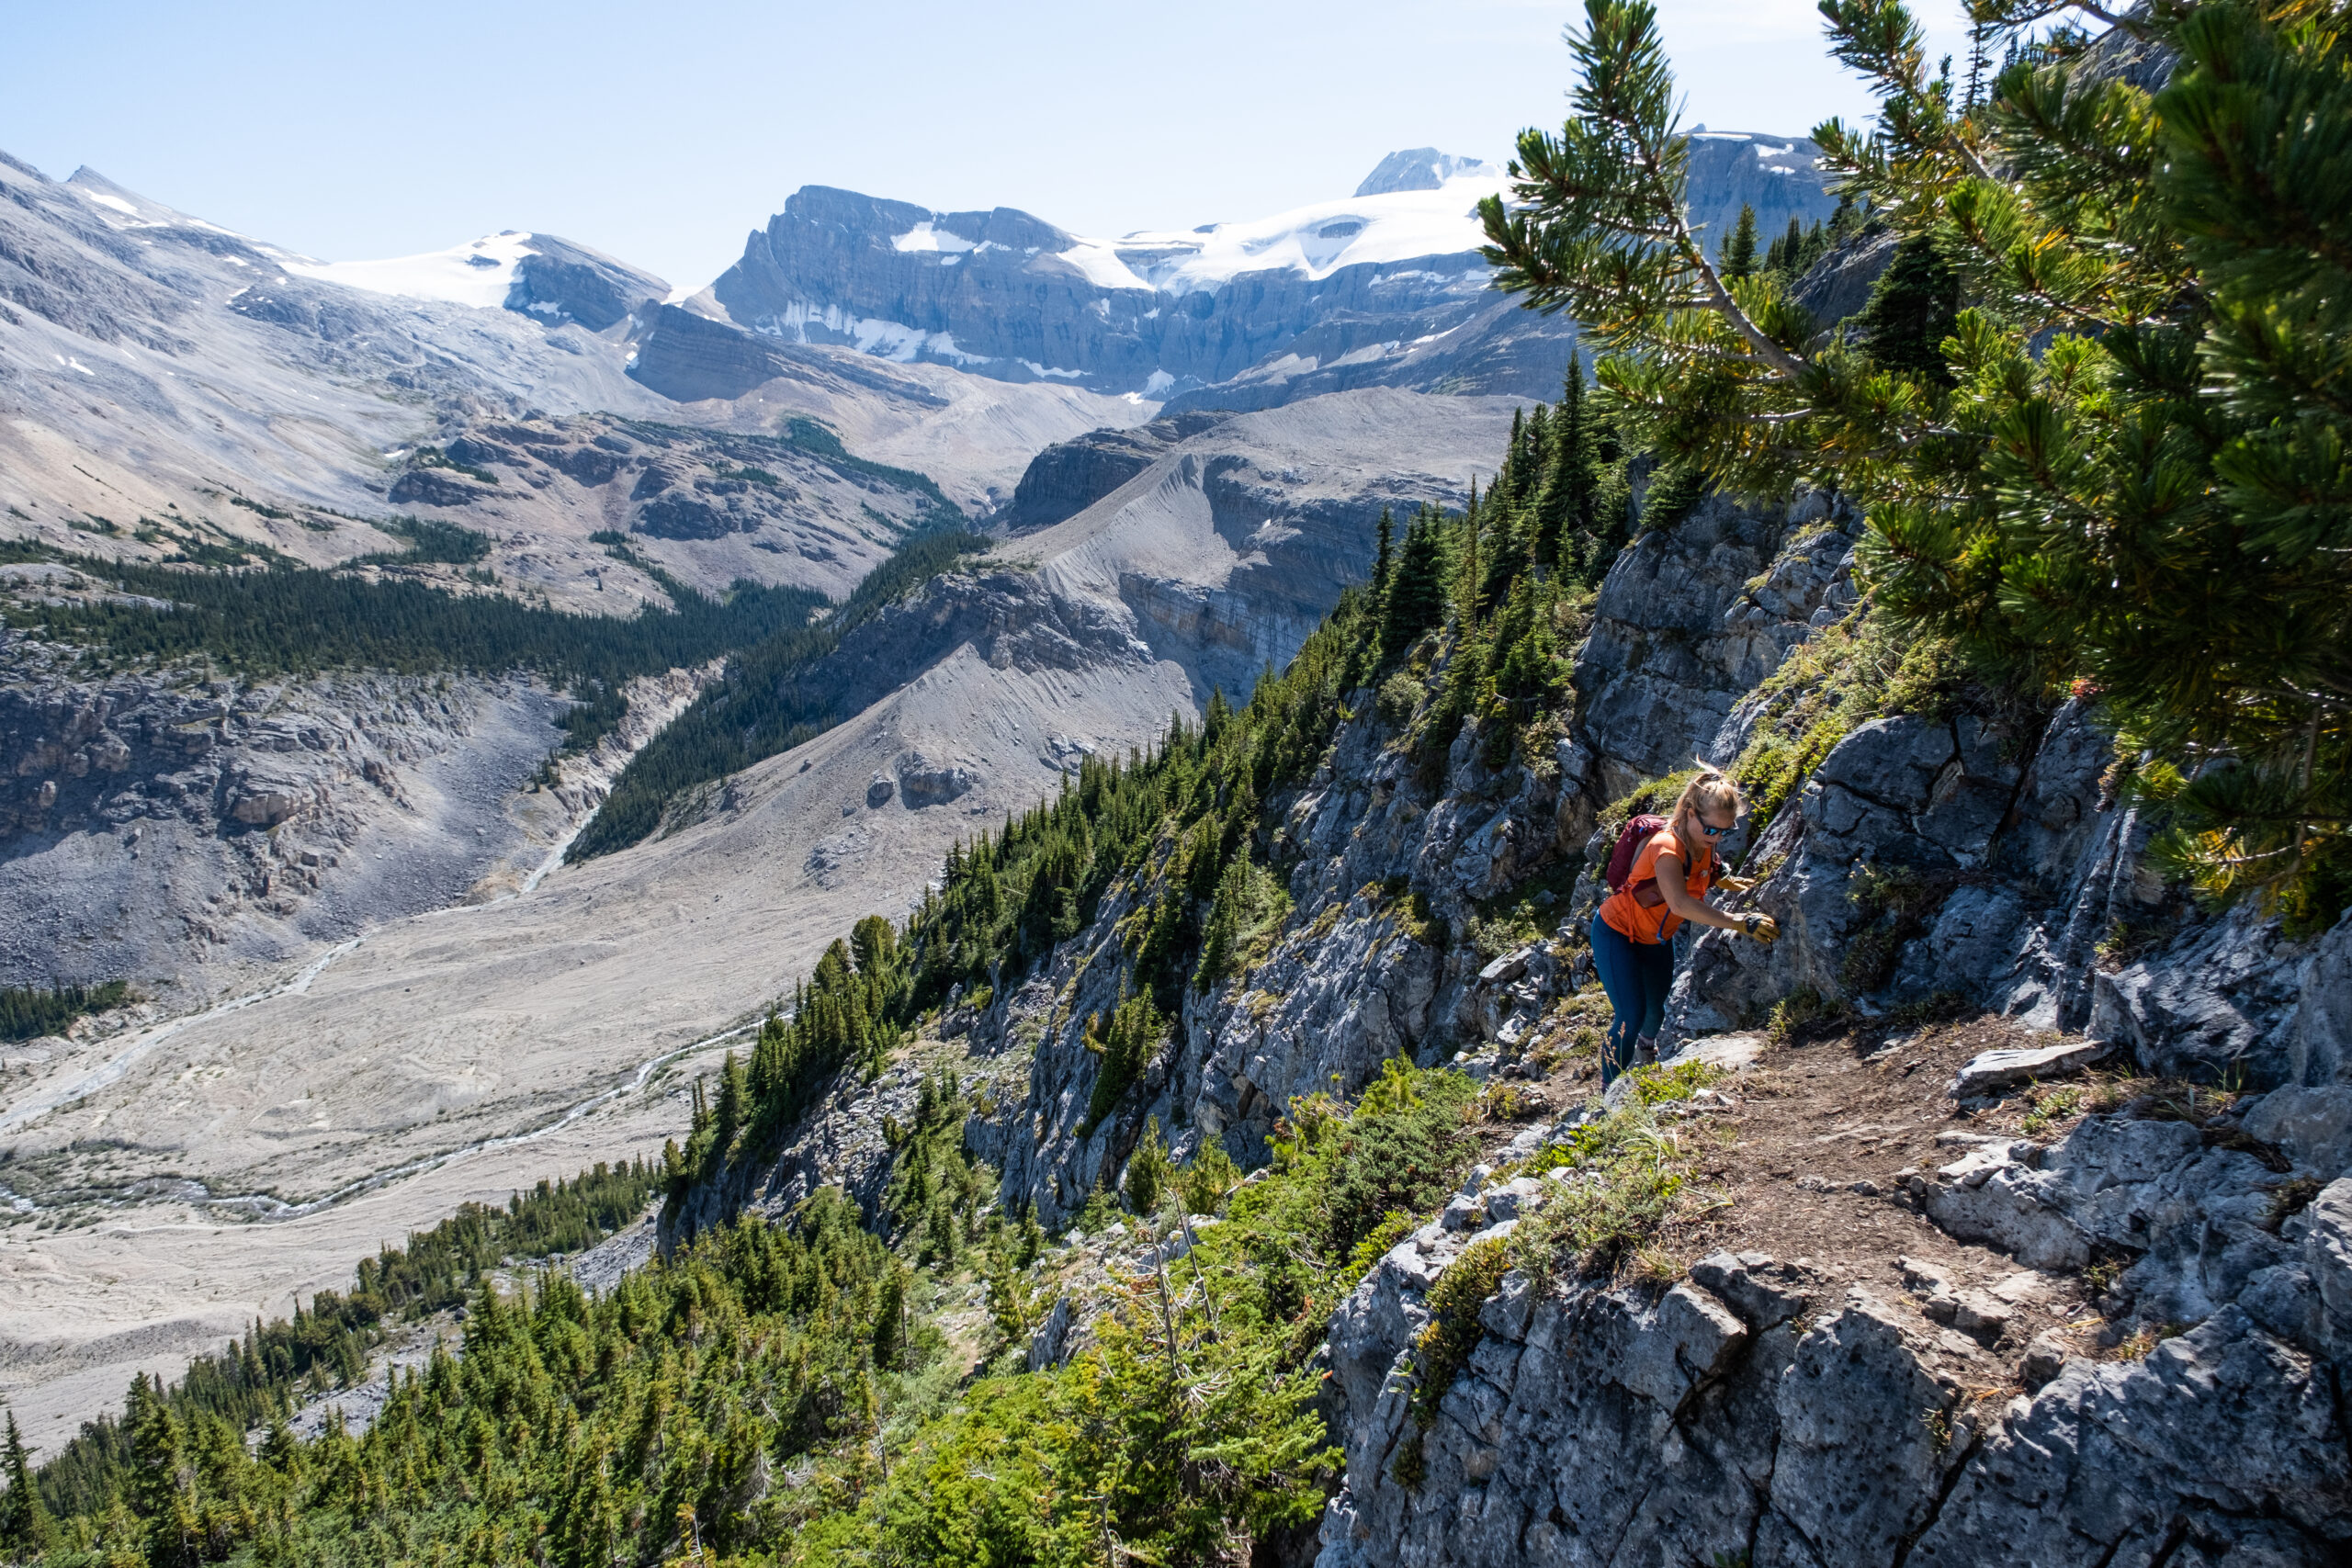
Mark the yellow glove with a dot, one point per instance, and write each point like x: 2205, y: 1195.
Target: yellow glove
x: 1734, y: 884
x: 1763, y: 927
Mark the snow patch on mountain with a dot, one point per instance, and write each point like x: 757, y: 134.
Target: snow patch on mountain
x: 1315, y: 240
x: 929, y: 237
x: 1101, y: 261
x: 479, y: 273
x: 803, y: 321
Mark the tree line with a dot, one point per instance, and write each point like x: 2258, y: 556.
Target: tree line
x: 27, y: 1013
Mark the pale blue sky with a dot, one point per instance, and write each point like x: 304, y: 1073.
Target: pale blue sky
x: 664, y: 133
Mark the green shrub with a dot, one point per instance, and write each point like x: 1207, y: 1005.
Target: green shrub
x: 1150, y: 1171
x: 1453, y: 1331
x: 1802, y: 1010
x: 1205, y: 1183
x: 1401, y: 698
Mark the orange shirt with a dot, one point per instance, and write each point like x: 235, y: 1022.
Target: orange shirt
x: 1626, y: 914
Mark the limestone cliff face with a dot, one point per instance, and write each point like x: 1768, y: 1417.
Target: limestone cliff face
x: 1009, y: 295
x: 1692, y: 619
x: 997, y: 292
x: 1760, y: 1413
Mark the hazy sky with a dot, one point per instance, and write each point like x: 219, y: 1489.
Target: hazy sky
x: 661, y: 133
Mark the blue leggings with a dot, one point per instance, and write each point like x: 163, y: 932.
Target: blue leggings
x: 1637, y: 974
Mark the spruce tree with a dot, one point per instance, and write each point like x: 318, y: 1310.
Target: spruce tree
x: 1564, y: 506
x: 1913, y: 308
x: 734, y: 1103
x: 1415, y: 602
x: 1509, y: 477
x: 890, y: 1320
x: 1739, y: 246
x: 1468, y: 589
x: 25, y: 1524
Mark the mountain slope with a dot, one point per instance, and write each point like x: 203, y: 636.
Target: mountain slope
x: 155, y: 366
x: 432, y: 1035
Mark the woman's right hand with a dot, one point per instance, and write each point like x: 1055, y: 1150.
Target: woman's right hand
x: 1763, y: 927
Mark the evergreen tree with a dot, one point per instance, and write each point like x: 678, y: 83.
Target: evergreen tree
x: 1913, y: 308
x: 1564, y: 507
x: 1385, y: 533
x: 889, y: 1321
x: 734, y: 1103
x: 1846, y: 221
x: 1148, y: 1171
x: 1415, y: 599
x: 1468, y: 590
x: 1980, y: 40
x: 26, y: 1527
x: 1512, y: 477
x: 2133, y: 484
x: 1738, y: 256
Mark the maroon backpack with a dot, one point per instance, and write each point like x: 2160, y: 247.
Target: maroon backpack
x: 1639, y: 832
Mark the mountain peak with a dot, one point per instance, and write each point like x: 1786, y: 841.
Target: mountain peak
x: 1416, y: 168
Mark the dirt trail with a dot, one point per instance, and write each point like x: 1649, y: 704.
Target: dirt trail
x: 1809, y: 1156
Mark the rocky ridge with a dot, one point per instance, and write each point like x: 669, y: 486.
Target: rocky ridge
x: 1318, y: 300
x: 157, y: 369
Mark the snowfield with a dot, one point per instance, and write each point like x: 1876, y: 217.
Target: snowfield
x: 479, y: 273
x: 1316, y: 240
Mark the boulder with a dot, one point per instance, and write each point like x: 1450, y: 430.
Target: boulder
x: 924, y: 782
x: 2312, y: 1126
x: 1994, y: 1071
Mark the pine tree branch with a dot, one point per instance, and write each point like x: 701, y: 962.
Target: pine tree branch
x: 1719, y: 299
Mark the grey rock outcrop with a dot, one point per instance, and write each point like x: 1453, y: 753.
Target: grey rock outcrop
x: 1071, y: 476
x: 562, y: 281
x: 1415, y: 168
x: 1756, y: 1413
x: 1691, y: 619
x: 926, y: 782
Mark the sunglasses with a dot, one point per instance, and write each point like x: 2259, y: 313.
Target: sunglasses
x: 1714, y: 832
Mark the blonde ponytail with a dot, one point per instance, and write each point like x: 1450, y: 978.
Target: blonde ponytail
x: 1710, y: 789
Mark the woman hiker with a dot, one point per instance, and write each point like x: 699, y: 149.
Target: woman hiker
x: 1633, y: 930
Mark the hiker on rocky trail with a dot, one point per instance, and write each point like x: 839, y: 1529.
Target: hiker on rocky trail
x: 1658, y: 877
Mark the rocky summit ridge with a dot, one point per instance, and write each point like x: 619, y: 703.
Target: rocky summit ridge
x: 1383, y: 289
